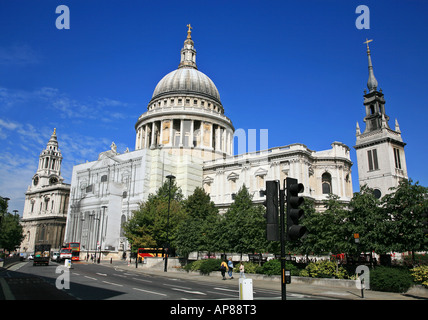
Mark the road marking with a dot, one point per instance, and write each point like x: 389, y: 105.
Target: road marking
x: 91, y: 278
x: 337, y: 293
x: 223, y: 289
x: 187, y: 291
x: 296, y: 295
x: 175, y: 286
x: 8, y: 295
x: 114, y: 284
x: 147, y: 291
x: 17, y: 266
x: 120, y: 275
x: 143, y: 280
x: 102, y: 274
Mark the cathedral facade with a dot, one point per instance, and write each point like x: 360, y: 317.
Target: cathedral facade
x: 185, y: 133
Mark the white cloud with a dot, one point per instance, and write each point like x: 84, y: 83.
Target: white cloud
x: 8, y: 125
x: 18, y: 54
x: 21, y: 141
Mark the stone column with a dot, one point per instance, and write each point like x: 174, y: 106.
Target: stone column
x: 153, y: 135
x: 181, y: 132
x: 192, y: 128
x: 171, y: 131
x: 146, y: 136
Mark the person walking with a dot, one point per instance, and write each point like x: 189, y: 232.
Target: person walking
x: 223, y: 268
x: 241, y: 270
x: 230, y: 266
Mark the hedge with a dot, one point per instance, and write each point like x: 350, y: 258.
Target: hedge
x: 390, y: 279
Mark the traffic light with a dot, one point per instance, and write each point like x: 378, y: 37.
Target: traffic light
x: 294, y: 213
x: 271, y: 204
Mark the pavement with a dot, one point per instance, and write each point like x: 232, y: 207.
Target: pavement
x: 275, y: 284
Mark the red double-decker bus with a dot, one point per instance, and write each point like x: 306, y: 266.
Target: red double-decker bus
x: 75, y: 250
x: 148, y: 252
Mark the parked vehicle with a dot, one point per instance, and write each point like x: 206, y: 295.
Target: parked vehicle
x: 41, y: 254
x: 65, y: 253
x: 55, y: 256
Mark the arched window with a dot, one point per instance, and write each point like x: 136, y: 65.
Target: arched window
x: 326, y: 183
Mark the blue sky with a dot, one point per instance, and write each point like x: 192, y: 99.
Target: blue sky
x: 296, y: 68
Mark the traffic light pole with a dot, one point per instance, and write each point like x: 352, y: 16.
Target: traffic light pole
x: 290, y: 229
x: 282, y: 239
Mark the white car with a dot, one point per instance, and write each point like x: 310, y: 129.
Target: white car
x: 55, y: 256
x: 30, y: 257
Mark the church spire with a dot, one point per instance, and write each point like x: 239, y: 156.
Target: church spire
x: 50, y: 158
x: 53, y: 140
x: 372, y: 82
x: 188, y: 53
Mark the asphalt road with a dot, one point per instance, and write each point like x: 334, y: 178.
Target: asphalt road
x: 99, y: 282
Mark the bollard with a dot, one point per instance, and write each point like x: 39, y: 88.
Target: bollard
x: 245, y: 289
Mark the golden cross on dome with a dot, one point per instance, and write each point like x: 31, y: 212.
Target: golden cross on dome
x: 367, y: 43
x: 189, y: 31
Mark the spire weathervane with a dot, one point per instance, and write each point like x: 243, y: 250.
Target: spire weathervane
x: 189, y: 32
x: 367, y: 43
x: 188, y: 53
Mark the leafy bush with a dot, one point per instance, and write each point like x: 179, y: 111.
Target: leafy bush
x: 324, y: 269
x: 273, y: 267
x: 210, y: 265
x: 204, y: 266
x: 194, y: 265
x: 249, y: 267
x: 390, y: 279
x: 420, y: 275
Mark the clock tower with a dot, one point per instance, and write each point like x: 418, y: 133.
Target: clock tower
x: 380, y: 149
x: 46, y: 201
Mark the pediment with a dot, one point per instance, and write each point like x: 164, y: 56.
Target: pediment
x: 208, y: 180
x: 233, y: 176
x: 261, y: 172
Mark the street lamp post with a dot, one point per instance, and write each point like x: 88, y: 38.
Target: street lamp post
x: 170, y: 177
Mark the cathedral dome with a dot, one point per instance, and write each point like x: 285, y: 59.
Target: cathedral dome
x: 185, y: 113
x: 186, y: 80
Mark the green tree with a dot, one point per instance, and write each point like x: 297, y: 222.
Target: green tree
x: 368, y: 219
x: 148, y: 225
x: 245, y: 224
x: 197, y: 231
x: 11, y: 232
x: 404, y: 207
x: 327, y: 231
